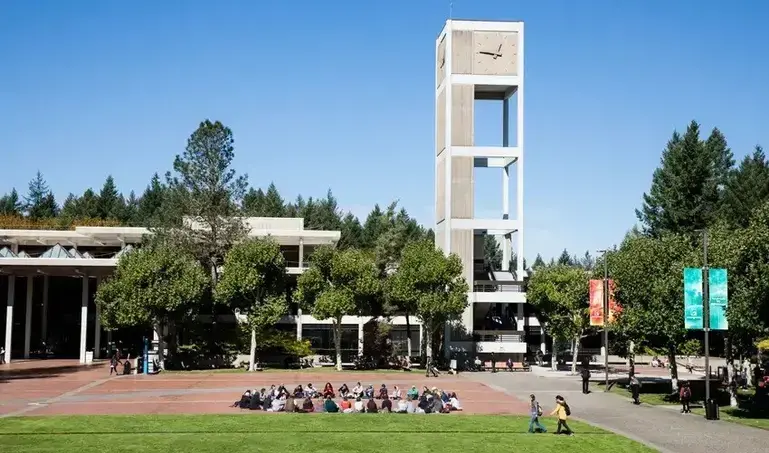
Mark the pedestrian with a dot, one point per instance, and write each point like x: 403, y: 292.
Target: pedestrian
x: 2, y: 355
x: 535, y: 411
x: 685, y: 395
x: 635, y: 388
x: 585, y: 380
x: 114, y: 362
x: 563, y: 411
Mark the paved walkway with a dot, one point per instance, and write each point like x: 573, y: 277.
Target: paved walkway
x: 660, y: 428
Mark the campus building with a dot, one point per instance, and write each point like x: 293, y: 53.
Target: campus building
x: 483, y: 61
x: 48, y: 279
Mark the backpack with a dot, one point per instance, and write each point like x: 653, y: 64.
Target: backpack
x: 567, y: 408
x: 686, y: 393
x: 539, y: 410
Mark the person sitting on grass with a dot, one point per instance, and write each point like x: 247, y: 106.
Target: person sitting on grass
x: 454, y: 403
x: 278, y: 404
x: 346, y: 406
x: 299, y: 391
x: 403, y: 407
x: 369, y: 393
x: 357, y: 390
x: 344, y: 391
x: 290, y: 405
x: 358, y: 406
x: 438, y: 406
x: 245, y: 400
x: 387, y: 405
x: 413, y: 393
x: 396, y: 393
x: 310, y: 391
x: 308, y: 405
x: 383, y: 393
x: 371, y: 406
x: 256, y: 400
x: 328, y: 390
x: 330, y: 406
x: 444, y: 396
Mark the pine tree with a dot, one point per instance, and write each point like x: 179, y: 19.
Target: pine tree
x: 11, y: 204
x: 274, y: 206
x: 352, y: 232
x: 151, y: 202
x: 111, y: 204
x: 686, y: 189
x: 39, y: 202
x: 746, y: 189
x: 538, y: 262
x: 492, y: 252
x: 565, y: 259
x: 253, y: 202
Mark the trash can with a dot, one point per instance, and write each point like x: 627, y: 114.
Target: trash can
x: 711, y: 410
x: 89, y: 357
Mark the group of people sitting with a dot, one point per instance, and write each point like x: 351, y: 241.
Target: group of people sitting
x: 302, y: 400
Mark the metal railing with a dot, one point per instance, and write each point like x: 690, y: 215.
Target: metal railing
x: 304, y: 265
x: 488, y: 286
x: 500, y: 336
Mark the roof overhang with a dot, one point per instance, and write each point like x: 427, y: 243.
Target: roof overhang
x: 71, y: 267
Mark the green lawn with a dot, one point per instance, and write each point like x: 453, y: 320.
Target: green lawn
x: 317, y: 433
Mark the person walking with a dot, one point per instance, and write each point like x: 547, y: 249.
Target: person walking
x: 685, y: 395
x: 535, y: 411
x: 585, y: 380
x: 635, y: 388
x: 563, y: 411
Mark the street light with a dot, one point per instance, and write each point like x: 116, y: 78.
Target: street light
x: 605, y: 317
x: 706, y: 313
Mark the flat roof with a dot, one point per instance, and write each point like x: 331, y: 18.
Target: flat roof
x: 286, y: 231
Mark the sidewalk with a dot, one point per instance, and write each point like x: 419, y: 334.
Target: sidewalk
x: 663, y: 429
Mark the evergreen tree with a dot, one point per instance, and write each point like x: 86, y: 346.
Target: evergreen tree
x: 686, y: 189
x: 69, y: 209
x: 565, y: 259
x: 747, y: 188
x: 88, y: 205
x: 11, y: 204
x: 327, y: 216
x: 110, y: 204
x: 253, y: 202
x: 373, y: 227
x: 492, y: 252
x: 151, y: 202
x: 40, y: 203
x: 131, y: 211
x: 352, y: 232
x: 538, y: 262
x: 273, y: 206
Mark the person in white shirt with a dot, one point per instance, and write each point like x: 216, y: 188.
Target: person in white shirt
x: 454, y: 402
x: 278, y: 404
x: 396, y: 393
x: 403, y: 407
x: 358, y: 406
x: 357, y: 390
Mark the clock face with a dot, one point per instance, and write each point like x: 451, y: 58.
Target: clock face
x: 495, y: 54
x: 441, y: 61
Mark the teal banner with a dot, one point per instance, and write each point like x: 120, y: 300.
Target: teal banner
x: 719, y: 299
x: 693, y: 298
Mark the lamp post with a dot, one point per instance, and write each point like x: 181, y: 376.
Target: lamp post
x: 706, y: 312
x: 605, y: 317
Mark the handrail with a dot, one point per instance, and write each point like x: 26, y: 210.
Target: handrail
x: 512, y: 287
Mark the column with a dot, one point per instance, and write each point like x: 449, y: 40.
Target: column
x: 360, y: 337
x: 505, y: 239
x: 519, y: 316
x: 301, y: 253
x: 28, y: 317
x: 298, y: 324
x: 421, y: 338
x: 9, y: 317
x: 44, y: 312
x: 83, y: 318
x: 543, y: 342
x: 97, y: 328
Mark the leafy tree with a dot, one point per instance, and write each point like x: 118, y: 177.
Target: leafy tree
x: 11, y: 204
x: 648, y: 273
x: 685, y: 193
x: 492, y: 252
x: 747, y: 188
x: 152, y: 286
x: 254, y: 283
x: 560, y: 294
x: 40, y: 203
x: 430, y: 285
x: 338, y: 283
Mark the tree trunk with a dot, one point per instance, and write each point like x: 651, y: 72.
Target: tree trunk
x: 673, y: 368
x: 338, y: 342
x: 252, y: 357
x: 408, y: 341
x: 428, y: 341
x: 730, y: 371
x: 575, y: 354
x: 554, y: 356
x: 631, y: 357
x: 161, y: 345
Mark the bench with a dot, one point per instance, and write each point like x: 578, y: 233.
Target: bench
x: 520, y: 367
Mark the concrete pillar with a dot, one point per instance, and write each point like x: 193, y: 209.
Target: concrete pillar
x: 360, y: 338
x: 421, y: 338
x: 519, y: 316
x: 83, y: 318
x: 9, y: 317
x: 44, y: 312
x: 543, y: 343
x: 97, y: 328
x: 299, y: 324
x: 28, y: 317
x: 301, y: 253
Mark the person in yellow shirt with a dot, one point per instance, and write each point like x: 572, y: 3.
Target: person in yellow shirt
x: 563, y: 412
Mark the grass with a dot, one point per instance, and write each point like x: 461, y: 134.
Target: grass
x: 655, y: 399
x: 318, y: 433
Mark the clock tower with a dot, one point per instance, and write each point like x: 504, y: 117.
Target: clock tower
x: 480, y: 61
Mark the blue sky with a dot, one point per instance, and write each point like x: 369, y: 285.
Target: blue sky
x: 340, y: 94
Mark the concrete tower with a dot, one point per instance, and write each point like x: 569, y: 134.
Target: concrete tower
x: 481, y: 61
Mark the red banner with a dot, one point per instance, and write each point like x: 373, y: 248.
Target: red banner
x: 596, y: 303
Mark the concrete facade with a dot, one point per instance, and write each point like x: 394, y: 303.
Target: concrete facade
x: 481, y: 61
